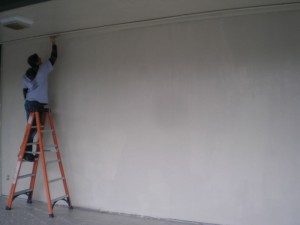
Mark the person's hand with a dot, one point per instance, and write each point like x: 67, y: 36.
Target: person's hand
x: 52, y: 39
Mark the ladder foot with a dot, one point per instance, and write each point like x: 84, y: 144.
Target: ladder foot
x: 71, y: 207
x: 51, y: 215
x: 29, y: 201
x: 8, y: 208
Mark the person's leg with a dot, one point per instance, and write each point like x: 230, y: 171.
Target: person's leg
x: 30, y: 106
x: 41, y: 111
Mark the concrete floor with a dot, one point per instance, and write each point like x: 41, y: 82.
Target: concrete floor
x: 37, y: 214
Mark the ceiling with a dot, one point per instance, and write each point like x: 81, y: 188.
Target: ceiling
x: 57, y: 16
x: 12, y: 4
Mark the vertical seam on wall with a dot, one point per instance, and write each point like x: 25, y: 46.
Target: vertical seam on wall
x: 1, y: 120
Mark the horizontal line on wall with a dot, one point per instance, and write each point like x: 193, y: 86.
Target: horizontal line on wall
x: 295, y: 6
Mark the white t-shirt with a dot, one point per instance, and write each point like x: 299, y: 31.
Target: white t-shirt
x: 38, y: 87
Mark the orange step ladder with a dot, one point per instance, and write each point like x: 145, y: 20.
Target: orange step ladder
x: 35, y: 122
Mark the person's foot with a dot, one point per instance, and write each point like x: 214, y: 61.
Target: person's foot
x: 29, y: 157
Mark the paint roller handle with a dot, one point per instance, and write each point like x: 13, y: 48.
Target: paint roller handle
x: 52, y: 39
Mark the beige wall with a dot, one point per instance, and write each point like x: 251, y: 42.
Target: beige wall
x: 195, y: 121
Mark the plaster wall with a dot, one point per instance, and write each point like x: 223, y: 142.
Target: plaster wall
x: 194, y: 121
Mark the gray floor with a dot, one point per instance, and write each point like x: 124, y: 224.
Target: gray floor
x: 37, y: 214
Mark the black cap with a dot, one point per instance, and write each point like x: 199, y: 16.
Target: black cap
x: 33, y: 60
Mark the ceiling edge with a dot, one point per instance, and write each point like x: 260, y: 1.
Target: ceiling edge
x: 173, y: 19
x: 13, y: 4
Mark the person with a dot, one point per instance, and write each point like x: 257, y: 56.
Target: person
x: 35, y: 90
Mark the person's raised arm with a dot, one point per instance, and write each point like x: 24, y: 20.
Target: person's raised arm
x: 53, y: 56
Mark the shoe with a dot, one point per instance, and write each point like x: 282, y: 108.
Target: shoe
x: 28, y: 157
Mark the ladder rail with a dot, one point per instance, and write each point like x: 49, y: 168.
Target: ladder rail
x: 19, y: 163
x: 42, y: 158
x: 59, y: 158
x: 36, y: 162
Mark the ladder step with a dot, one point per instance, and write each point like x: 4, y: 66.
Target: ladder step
x: 22, y: 192
x: 59, y: 198
x: 50, y: 149
x: 45, y: 131
x: 47, y: 148
x: 27, y: 175
x: 52, y: 161
x: 30, y: 152
x: 50, y: 146
x: 33, y: 143
x: 56, y: 179
x: 36, y: 127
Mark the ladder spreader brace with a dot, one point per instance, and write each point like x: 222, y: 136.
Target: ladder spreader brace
x: 34, y: 118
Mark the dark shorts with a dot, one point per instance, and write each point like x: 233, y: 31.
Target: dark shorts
x: 34, y: 106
